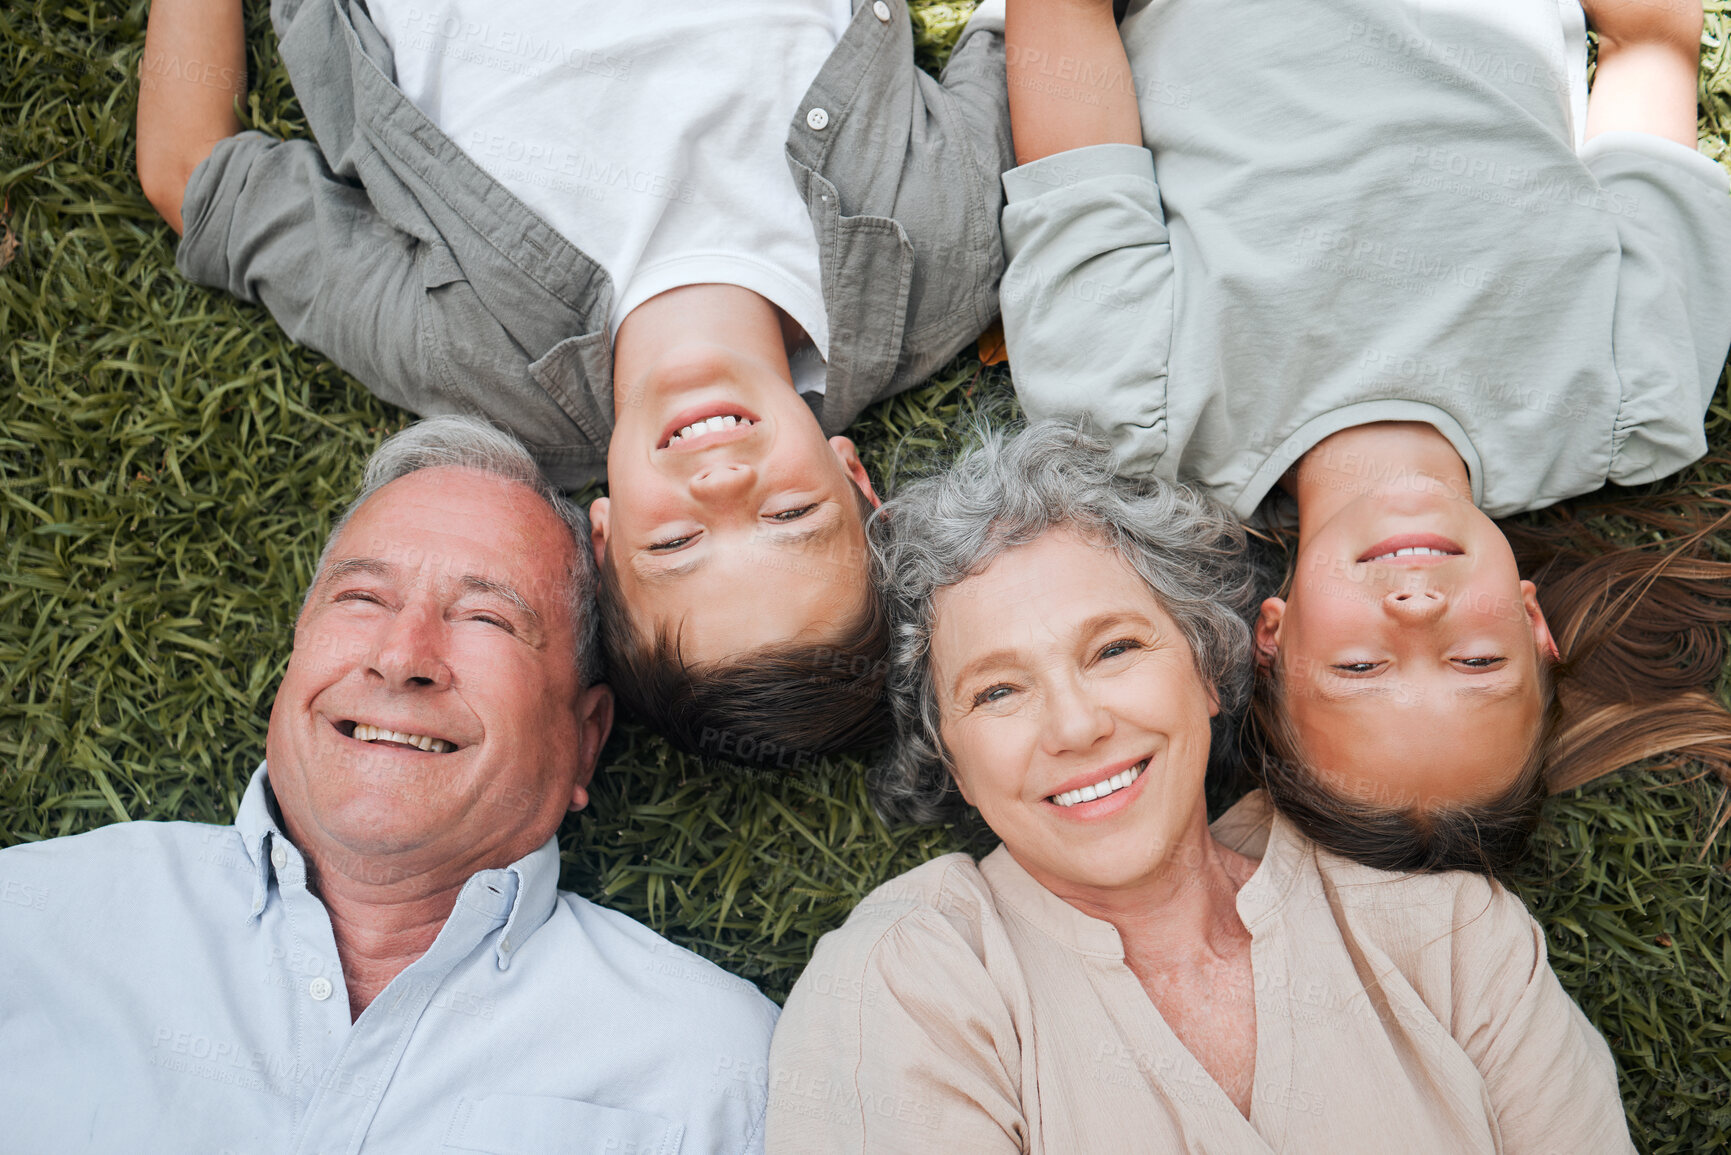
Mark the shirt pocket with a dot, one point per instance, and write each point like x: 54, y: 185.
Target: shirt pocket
x: 543, y: 1125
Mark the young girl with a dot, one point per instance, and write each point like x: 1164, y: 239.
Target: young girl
x: 1387, y: 258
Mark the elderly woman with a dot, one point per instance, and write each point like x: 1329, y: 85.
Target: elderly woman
x: 1118, y: 976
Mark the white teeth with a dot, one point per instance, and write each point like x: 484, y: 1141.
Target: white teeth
x: 365, y: 733
x: 1101, y: 789
x: 709, y: 425
x: 1414, y: 551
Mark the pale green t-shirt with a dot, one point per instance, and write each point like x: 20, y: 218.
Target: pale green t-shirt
x: 1370, y: 210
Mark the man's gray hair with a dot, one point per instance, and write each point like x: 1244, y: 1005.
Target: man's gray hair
x: 1005, y: 493
x: 471, y: 443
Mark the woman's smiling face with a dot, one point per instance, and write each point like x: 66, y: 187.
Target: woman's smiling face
x: 1073, y: 713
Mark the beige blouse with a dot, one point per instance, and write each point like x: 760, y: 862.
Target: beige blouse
x: 966, y: 1009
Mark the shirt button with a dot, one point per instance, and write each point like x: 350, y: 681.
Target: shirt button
x: 881, y: 11
x: 279, y: 857
x: 818, y: 119
x: 505, y: 945
x: 319, y: 989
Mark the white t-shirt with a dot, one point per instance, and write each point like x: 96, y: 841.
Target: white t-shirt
x: 651, y: 135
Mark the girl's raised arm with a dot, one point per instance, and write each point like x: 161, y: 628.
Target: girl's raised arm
x: 1649, y: 53
x: 1070, y: 83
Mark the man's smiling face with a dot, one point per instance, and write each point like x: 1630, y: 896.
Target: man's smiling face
x: 432, y: 711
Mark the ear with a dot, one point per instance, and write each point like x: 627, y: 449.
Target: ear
x: 962, y: 787
x: 599, y: 509
x: 1541, y: 628
x: 594, y: 723
x: 850, y: 464
x: 1267, y: 631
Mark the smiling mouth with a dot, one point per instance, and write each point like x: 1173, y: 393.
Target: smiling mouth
x: 1412, y: 551
x: 398, y: 739
x: 1419, y: 546
x: 716, y: 424
x: 1101, y: 789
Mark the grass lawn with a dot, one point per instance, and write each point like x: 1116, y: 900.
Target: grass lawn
x: 168, y: 468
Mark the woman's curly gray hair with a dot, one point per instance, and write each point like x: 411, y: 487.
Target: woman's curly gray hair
x: 1005, y: 493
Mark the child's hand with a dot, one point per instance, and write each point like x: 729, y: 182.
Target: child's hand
x: 1669, y: 23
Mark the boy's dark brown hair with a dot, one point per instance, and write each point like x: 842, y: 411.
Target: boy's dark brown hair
x: 1641, y: 633
x: 776, y: 708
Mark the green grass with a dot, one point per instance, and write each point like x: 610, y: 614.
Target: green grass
x: 169, y: 465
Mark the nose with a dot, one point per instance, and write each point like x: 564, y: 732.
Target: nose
x: 408, y: 652
x: 723, y: 479
x: 1073, y: 720
x: 1415, y: 604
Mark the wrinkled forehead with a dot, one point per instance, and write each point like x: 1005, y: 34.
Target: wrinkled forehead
x: 445, y: 525
x: 1036, y: 595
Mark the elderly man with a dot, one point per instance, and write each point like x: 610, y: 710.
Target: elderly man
x: 375, y: 956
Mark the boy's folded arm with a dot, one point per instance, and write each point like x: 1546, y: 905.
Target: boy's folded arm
x: 267, y: 221
x: 192, y: 73
x: 1088, y: 296
x: 1670, y: 329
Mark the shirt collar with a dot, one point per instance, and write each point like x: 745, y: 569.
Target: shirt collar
x: 1253, y: 827
x: 521, y: 895
x: 256, y: 826
x: 530, y: 888
x: 1013, y: 887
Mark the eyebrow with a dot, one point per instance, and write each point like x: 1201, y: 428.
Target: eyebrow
x: 1501, y: 689
x: 1332, y: 692
x: 1007, y: 655
x: 1498, y: 689
x: 471, y: 584
x: 481, y: 585
x: 666, y: 573
x: 349, y: 566
x: 827, y: 527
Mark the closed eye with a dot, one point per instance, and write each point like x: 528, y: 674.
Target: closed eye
x: 493, y: 620
x: 1357, y: 669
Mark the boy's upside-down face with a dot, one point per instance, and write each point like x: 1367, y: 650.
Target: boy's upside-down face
x: 732, y: 522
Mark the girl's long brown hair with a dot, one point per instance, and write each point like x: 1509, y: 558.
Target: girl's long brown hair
x: 1641, y: 631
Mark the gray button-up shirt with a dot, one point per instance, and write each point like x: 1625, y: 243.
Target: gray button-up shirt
x: 174, y: 987
x: 385, y: 247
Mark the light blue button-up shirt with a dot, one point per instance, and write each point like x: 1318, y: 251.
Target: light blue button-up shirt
x: 174, y: 987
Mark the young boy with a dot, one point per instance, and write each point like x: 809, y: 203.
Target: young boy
x: 593, y: 224
x: 1390, y: 258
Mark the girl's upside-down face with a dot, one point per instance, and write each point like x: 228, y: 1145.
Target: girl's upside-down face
x: 1410, y: 651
